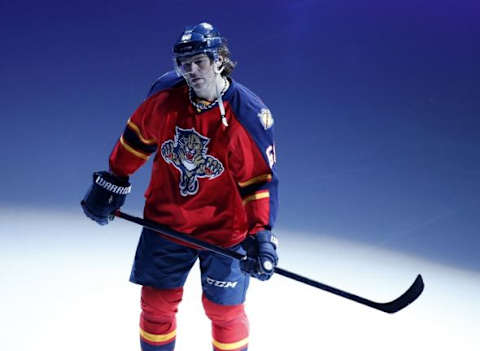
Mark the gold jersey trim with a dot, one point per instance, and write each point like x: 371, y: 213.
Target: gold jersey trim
x: 258, y: 179
x: 257, y: 196
x: 132, y: 150
x: 139, y: 134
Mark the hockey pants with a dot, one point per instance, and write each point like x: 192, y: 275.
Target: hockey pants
x: 162, y: 268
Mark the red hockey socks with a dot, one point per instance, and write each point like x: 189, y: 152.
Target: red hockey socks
x: 229, y: 326
x: 157, y: 322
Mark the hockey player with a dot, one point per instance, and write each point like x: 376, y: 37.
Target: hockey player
x: 213, y: 177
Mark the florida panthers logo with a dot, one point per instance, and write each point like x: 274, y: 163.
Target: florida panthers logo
x: 188, y: 153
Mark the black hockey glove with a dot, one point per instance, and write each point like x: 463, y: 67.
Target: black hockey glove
x: 106, y: 195
x: 262, y: 253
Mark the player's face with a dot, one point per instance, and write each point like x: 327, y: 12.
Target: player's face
x: 198, y: 71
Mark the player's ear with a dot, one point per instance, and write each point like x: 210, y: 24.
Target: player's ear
x: 219, y: 64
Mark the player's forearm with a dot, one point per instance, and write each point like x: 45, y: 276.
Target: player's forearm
x: 123, y: 162
x: 260, y: 201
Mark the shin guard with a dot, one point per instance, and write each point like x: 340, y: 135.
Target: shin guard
x: 229, y: 326
x: 157, y: 322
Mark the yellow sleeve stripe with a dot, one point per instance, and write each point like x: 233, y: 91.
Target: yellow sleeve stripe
x: 137, y: 131
x: 157, y: 337
x: 259, y: 179
x: 230, y: 346
x: 132, y: 150
x: 256, y: 196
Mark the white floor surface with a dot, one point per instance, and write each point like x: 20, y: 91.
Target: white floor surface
x: 64, y: 286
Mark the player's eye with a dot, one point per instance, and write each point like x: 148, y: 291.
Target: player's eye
x: 201, y: 62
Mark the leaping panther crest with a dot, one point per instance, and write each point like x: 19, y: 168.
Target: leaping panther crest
x: 188, y: 153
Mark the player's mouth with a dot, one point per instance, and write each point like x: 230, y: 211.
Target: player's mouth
x: 196, y: 79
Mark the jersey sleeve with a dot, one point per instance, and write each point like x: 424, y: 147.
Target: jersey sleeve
x: 136, y: 143
x: 254, y: 161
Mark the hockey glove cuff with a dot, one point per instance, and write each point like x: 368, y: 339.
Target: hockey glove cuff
x: 262, y: 255
x: 106, y: 195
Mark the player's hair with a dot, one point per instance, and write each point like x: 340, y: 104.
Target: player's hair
x: 228, y: 63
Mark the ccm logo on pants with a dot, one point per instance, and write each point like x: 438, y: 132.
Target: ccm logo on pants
x: 221, y: 284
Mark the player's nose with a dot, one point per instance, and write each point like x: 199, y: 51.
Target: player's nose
x: 191, y: 68
x: 194, y: 68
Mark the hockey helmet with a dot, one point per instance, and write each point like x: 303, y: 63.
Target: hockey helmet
x: 202, y: 38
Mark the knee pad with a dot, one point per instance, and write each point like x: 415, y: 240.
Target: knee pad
x: 223, y: 313
x: 157, y: 321
x: 160, y: 303
x: 229, y: 325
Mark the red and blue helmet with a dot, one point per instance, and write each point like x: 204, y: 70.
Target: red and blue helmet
x: 202, y: 38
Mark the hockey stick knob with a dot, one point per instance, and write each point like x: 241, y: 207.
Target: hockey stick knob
x: 267, y: 265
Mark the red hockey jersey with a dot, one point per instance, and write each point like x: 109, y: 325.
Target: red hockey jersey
x: 215, y: 182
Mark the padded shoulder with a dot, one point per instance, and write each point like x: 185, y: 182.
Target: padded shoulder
x: 255, y: 117
x: 167, y: 81
x: 251, y: 112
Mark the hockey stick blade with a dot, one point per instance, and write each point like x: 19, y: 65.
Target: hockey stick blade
x: 406, y: 299
x: 413, y: 292
x: 389, y: 307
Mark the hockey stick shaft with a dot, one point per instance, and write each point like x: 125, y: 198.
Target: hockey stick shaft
x: 390, y: 307
x: 173, y: 234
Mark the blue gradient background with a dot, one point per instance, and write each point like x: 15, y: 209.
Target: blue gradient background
x: 376, y: 107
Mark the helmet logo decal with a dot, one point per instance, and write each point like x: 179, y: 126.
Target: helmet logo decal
x: 186, y: 37
x: 207, y: 26
x: 188, y: 153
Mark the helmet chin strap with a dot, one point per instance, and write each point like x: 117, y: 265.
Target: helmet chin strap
x: 218, y: 72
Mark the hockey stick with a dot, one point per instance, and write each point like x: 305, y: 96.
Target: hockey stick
x: 389, y: 307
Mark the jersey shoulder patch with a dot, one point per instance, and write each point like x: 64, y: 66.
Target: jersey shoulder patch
x: 166, y: 81
x: 250, y: 109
